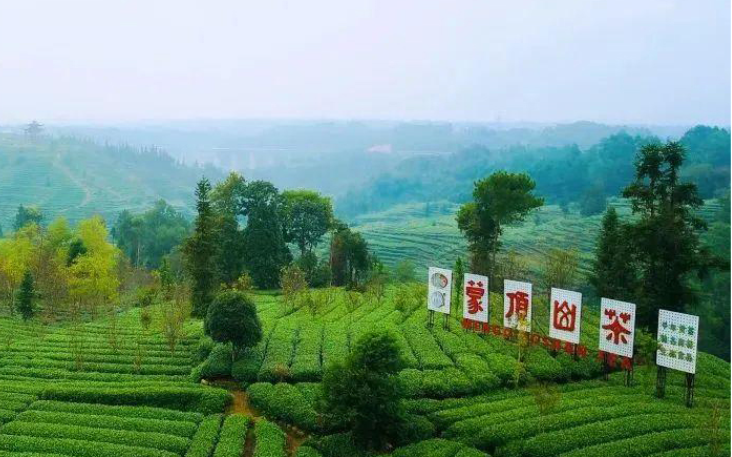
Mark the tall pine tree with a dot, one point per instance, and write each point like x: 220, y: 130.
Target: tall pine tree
x: 200, y: 252
x: 613, y: 270
x: 26, y: 294
x: 665, y: 235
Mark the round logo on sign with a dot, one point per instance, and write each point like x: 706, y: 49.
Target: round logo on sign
x: 437, y: 299
x: 439, y: 280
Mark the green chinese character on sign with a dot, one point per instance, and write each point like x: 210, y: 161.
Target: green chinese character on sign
x: 664, y: 325
x: 689, y: 344
x: 673, y: 327
x: 664, y: 338
x: 691, y: 331
x: 689, y: 358
x: 682, y: 342
x: 682, y: 328
x: 672, y: 354
x: 673, y: 340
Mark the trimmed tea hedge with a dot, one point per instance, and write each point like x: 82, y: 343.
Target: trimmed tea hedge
x: 233, y: 434
x: 204, y: 441
x: 270, y: 440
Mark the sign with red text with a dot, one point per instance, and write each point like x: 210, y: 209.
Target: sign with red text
x: 617, y: 327
x: 517, y: 305
x: 677, y: 339
x: 565, y: 308
x: 475, y: 297
x: 439, y: 290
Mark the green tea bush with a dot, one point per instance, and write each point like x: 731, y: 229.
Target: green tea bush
x: 203, y: 400
x: 270, y: 440
x: 284, y: 402
x: 232, y: 436
x: 119, y: 411
x: 437, y: 447
x: 204, y: 441
x: 649, y: 444
x: 153, y: 440
x: 217, y: 364
x: 77, y: 448
x: 307, y: 451
x: 561, y: 441
x: 168, y: 427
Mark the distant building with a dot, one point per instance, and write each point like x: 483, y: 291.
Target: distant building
x: 33, y: 130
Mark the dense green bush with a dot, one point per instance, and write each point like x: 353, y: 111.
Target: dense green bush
x: 270, y: 440
x: 204, y: 441
x: 232, y: 436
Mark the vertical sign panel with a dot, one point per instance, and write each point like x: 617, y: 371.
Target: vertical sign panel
x: 617, y: 327
x: 565, y: 308
x: 517, y: 305
x: 439, y: 290
x: 677, y: 339
x: 475, y: 297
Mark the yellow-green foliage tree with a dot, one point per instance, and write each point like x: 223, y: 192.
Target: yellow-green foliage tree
x: 16, y: 254
x: 93, y: 281
x: 49, y: 266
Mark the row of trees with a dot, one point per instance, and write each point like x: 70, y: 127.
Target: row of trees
x: 71, y: 269
x: 655, y: 259
x: 246, y: 229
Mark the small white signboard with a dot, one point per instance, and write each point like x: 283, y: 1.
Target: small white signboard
x: 517, y: 305
x: 565, y: 314
x: 476, y: 298
x: 677, y: 339
x: 617, y: 327
x: 439, y: 290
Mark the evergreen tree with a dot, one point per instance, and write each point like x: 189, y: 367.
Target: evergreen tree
x: 613, y: 270
x: 27, y: 215
x: 264, y: 237
x: 665, y: 236
x: 365, y: 393
x: 26, y: 294
x: 350, y: 259
x: 226, y: 199
x: 200, y: 252
x: 232, y: 318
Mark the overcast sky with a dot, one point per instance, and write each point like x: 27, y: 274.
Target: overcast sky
x: 648, y: 61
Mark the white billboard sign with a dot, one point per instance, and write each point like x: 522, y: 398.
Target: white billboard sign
x: 617, y: 327
x: 439, y: 290
x: 476, y: 298
x: 677, y: 339
x: 565, y: 308
x: 517, y: 305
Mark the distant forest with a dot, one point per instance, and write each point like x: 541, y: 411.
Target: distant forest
x: 563, y: 174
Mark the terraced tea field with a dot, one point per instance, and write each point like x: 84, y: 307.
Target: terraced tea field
x: 405, y: 232
x: 101, y: 391
x: 115, y: 388
x: 462, y: 387
x: 76, y: 179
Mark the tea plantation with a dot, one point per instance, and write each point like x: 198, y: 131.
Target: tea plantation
x: 119, y: 387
